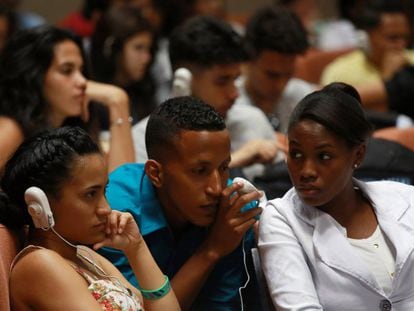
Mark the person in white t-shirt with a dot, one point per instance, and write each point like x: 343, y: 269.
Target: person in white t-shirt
x: 268, y: 92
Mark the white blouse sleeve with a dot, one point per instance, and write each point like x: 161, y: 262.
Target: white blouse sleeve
x: 284, y: 263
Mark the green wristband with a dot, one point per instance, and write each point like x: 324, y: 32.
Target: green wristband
x: 158, y: 293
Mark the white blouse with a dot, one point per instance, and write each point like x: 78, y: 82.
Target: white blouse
x: 377, y: 254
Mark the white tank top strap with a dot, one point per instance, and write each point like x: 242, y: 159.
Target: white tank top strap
x: 88, y: 278
x: 22, y: 252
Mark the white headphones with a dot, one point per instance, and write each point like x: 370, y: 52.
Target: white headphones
x: 39, y: 208
x: 249, y: 187
x: 181, y: 85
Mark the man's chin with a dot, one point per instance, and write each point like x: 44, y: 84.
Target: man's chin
x: 205, y: 222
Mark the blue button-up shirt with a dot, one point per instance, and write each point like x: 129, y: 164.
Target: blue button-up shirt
x: 130, y: 190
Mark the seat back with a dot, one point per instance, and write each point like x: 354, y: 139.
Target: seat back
x: 310, y: 66
x: 9, y: 246
x: 387, y: 160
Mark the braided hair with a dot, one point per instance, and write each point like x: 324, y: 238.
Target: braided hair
x: 45, y: 161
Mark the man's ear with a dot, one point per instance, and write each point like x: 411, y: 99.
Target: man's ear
x: 153, y: 169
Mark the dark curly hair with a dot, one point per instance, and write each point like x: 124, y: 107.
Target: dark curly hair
x: 205, y: 41
x: 277, y: 29
x: 45, y: 161
x: 175, y: 115
x: 338, y: 108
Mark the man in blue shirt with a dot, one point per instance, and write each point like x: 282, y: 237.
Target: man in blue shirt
x: 188, y: 215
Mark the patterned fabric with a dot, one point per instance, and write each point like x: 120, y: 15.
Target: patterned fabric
x: 111, y: 296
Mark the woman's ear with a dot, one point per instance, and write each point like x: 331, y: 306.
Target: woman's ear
x: 153, y: 169
x: 359, y: 154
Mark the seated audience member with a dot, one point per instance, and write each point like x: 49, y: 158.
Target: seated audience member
x: 83, y: 21
x: 274, y: 38
x: 330, y: 24
x: 57, y: 269
x: 213, y: 52
x: 24, y: 19
x: 188, y: 214
x: 391, y: 100
x: 121, y: 52
x: 400, y: 92
x: 332, y: 233
x: 388, y: 29
x: 164, y: 16
x: 42, y: 85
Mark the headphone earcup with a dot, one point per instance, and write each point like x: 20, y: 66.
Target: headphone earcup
x: 35, y: 210
x: 38, y: 208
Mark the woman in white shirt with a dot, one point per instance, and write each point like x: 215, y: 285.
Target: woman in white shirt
x: 333, y: 242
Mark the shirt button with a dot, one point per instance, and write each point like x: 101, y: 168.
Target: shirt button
x: 385, y: 305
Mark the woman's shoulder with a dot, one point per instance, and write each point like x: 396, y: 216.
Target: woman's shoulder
x: 38, y: 262
x: 45, y: 280
x: 11, y: 136
x: 291, y: 209
x: 10, y: 126
x: 34, y: 268
x: 11, y: 133
x: 286, y: 201
x: 285, y: 205
x: 389, y: 188
x: 390, y: 196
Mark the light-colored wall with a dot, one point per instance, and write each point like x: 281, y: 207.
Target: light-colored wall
x: 51, y: 10
x: 54, y: 10
x: 245, y: 6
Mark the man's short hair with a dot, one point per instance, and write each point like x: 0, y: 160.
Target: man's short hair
x: 277, y: 29
x: 178, y: 114
x: 205, y: 41
x: 371, y: 13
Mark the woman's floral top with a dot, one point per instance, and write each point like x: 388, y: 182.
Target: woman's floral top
x: 111, y: 296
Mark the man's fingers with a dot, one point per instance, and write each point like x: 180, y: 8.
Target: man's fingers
x: 242, y: 229
x: 242, y: 201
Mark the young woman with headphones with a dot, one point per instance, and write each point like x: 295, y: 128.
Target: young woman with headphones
x: 55, y: 185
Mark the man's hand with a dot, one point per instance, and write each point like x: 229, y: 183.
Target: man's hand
x: 231, y: 224
x: 392, y: 62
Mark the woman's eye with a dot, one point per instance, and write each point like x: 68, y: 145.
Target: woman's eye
x: 324, y: 156
x: 66, y: 70
x: 295, y: 155
x: 91, y: 194
x: 139, y: 48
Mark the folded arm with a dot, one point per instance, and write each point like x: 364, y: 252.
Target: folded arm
x: 116, y: 100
